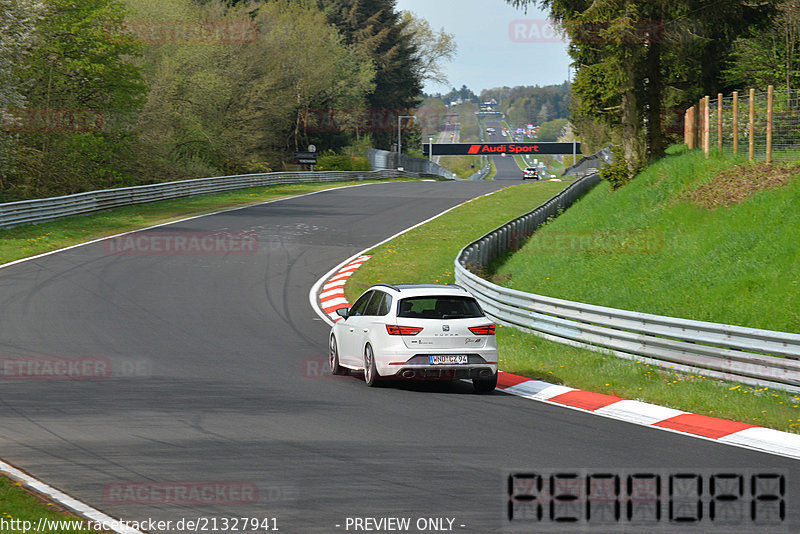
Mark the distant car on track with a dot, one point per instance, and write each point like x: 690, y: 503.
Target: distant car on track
x: 530, y: 173
x: 422, y: 332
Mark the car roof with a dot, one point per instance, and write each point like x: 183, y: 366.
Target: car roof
x: 423, y: 289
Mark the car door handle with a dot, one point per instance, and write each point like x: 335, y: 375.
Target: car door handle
x: 366, y: 330
x: 352, y: 330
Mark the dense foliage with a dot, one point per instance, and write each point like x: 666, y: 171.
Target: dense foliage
x: 531, y: 104
x: 636, y: 59
x: 105, y: 93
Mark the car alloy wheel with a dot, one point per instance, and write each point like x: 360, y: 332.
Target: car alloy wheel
x: 333, y: 359
x: 370, y: 372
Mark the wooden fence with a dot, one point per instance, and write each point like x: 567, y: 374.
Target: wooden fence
x: 765, y: 124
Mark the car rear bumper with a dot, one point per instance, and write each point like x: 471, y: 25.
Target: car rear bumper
x: 441, y: 372
x: 480, y: 365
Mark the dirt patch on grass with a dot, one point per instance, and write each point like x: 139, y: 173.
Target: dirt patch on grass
x: 739, y: 183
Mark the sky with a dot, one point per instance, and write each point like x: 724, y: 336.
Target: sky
x: 497, y: 44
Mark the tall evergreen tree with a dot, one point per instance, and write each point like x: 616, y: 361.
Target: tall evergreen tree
x: 377, y: 28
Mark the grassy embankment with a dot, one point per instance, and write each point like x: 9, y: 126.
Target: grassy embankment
x: 736, y: 264
x: 687, y: 238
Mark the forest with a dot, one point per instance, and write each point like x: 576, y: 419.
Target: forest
x: 112, y: 93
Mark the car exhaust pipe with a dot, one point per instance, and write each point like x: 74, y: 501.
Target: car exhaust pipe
x: 408, y: 373
x: 485, y: 373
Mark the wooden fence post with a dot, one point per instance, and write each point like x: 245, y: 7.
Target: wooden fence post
x: 735, y: 122
x: 769, y: 124
x: 706, y: 124
x: 686, y: 127
x: 719, y: 123
x: 752, y: 126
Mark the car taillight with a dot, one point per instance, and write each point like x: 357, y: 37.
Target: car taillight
x: 487, y: 330
x: 395, y: 330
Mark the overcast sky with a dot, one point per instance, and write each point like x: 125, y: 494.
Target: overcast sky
x: 497, y: 44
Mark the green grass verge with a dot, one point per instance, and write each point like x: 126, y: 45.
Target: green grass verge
x: 29, y: 240
x: 426, y: 255
x: 492, y: 170
x: 461, y: 165
x: 649, y: 247
x: 18, y: 506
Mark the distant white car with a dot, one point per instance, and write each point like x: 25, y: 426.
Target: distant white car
x: 423, y: 332
x: 530, y: 173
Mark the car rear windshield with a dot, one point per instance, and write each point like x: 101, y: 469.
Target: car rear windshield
x: 441, y: 307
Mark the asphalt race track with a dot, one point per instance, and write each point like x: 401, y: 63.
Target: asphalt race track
x: 507, y: 168
x: 217, y: 380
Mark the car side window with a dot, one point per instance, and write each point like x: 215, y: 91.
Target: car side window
x: 360, y: 305
x: 386, y: 305
x: 374, y: 303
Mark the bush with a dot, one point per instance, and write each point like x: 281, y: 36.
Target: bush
x: 617, y: 172
x: 333, y: 162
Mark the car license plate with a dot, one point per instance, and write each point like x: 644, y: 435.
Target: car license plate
x: 448, y: 359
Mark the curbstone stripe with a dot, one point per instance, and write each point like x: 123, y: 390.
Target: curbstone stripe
x: 332, y: 296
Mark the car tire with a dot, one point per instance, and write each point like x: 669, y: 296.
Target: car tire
x: 333, y: 359
x: 370, y: 370
x: 485, y: 385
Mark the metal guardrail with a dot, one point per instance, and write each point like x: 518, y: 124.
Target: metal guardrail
x: 383, y: 159
x: 589, y: 164
x: 747, y: 355
x: 46, y: 209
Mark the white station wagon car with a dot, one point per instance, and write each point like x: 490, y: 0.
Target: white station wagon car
x: 423, y: 332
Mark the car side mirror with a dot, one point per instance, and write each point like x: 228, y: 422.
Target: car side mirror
x: 343, y: 312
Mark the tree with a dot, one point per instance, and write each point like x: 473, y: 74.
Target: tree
x: 18, y: 20
x: 80, y: 75
x: 769, y: 56
x: 243, y: 106
x: 631, y: 54
x: 431, y: 48
x: 374, y: 27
